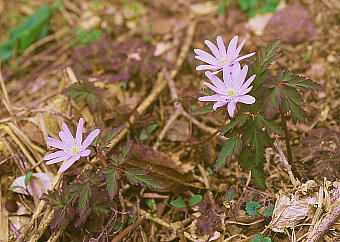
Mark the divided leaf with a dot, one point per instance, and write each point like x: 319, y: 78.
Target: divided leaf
x: 112, y: 175
x: 110, y: 135
x: 238, y: 123
x: 231, y: 147
x: 138, y: 176
x: 270, y: 126
x: 270, y: 54
x: 84, y: 91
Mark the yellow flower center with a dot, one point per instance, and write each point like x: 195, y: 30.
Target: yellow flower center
x: 231, y: 93
x: 225, y: 61
x: 74, y: 149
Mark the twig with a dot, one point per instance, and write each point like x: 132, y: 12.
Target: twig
x: 286, y: 165
x: 129, y: 229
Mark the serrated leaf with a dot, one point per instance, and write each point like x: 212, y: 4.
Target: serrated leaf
x: 231, y: 147
x: 270, y: 54
x: 252, y: 207
x: 246, y: 159
x: 293, y: 102
x: 273, y: 101
x: 269, y: 211
x: 84, y: 91
x: 178, y: 203
x: 270, y: 126
x: 111, y: 178
x: 110, y: 135
x: 139, y: 176
x: 194, y: 200
x: 298, y: 82
x: 238, y: 122
x: 120, y: 158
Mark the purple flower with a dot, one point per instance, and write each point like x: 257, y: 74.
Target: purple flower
x: 71, y: 148
x: 221, y: 55
x: 232, y: 90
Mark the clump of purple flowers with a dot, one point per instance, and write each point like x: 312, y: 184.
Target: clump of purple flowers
x: 232, y: 89
x: 71, y: 149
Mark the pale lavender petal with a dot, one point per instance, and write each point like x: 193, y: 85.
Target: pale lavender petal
x: 227, y: 79
x: 235, y: 73
x: 85, y: 153
x: 232, y: 48
x: 67, y: 132
x: 89, y: 139
x: 215, y: 80
x: 206, y: 56
x: 68, y: 163
x: 58, y: 159
x: 248, y: 82
x: 207, y: 60
x: 231, y: 108
x: 56, y: 143
x: 54, y: 155
x: 65, y: 140
x: 243, y: 73
x: 215, y: 89
x: 221, y: 47
x: 243, y: 57
x: 213, y: 49
x: 238, y: 50
x: 79, y: 133
x: 207, y: 67
x: 212, y: 98
x: 244, y: 91
x: 247, y: 99
x: 219, y: 104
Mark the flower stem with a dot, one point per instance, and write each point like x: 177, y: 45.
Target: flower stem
x: 101, y: 157
x: 287, y: 137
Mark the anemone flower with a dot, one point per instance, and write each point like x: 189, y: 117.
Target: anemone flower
x: 71, y: 149
x: 221, y: 55
x: 231, y: 90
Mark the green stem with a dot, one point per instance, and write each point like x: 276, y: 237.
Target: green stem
x: 287, y: 138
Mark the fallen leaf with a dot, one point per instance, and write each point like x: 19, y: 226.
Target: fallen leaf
x: 178, y: 131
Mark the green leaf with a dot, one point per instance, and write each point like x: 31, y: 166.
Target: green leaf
x: 84, y: 91
x: 110, y: 135
x: 258, y: 176
x: 252, y: 207
x: 269, y: 125
x: 246, y: 159
x: 143, y: 135
x: 28, y: 177
x: 131, y: 220
x: 270, y: 53
x: 138, y: 176
x: 86, y: 37
x: 273, y: 101
x: 194, y: 200
x: 112, y: 175
x: 238, y: 122
x: 231, y: 147
x: 269, y: 211
x: 230, y: 195
x: 259, y: 238
x: 152, y: 127
x: 117, y: 226
x: 150, y: 203
x: 203, y: 110
x: 120, y: 158
x: 178, y: 203
x: 244, y: 4
x: 32, y: 29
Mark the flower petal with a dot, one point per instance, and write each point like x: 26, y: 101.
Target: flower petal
x: 67, y: 132
x: 248, y: 82
x: 247, y: 99
x: 231, y: 108
x: 79, y: 133
x: 245, y: 91
x: 207, y: 60
x: 59, y: 153
x: 68, y: 163
x: 221, y: 47
x: 238, y: 50
x: 85, y: 153
x: 212, y: 98
x: 56, y: 143
x: 58, y: 159
x: 245, y: 56
x: 215, y: 80
x: 227, y: 79
x: 207, y: 67
x: 213, y: 49
x: 215, y: 89
x: 232, y: 48
x: 219, y: 104
x: 89, y: 139
x: 64, y: 139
